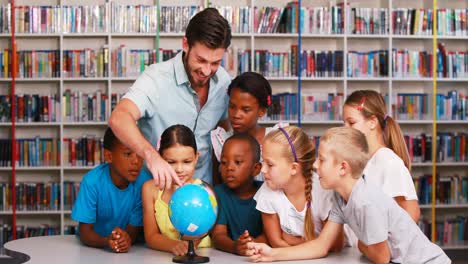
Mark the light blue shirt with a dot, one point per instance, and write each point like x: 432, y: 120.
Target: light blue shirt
x: 164, y: 96
x: 101, y: 203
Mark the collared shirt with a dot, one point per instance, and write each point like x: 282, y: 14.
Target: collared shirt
x: 164, y: 96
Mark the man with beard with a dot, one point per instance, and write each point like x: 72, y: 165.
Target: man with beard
x: 188, y: 89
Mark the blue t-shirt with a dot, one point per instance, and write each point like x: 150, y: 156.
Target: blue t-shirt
x: 238, y: 214
x: 101, y: 203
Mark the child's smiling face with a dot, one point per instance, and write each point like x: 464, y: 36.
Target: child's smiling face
x: 183, y: 159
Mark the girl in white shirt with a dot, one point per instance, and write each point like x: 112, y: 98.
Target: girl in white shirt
x: 389, y: 166
x: 293, y: 204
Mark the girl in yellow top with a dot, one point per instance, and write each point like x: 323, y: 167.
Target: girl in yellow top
x: 179, y: 148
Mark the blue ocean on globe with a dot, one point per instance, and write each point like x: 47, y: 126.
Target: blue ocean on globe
x: 193, y: 209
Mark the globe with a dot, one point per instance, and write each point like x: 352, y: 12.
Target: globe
x: 193, y: 209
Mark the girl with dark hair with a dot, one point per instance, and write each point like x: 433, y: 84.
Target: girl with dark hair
x: 179, y: 149
x: 249, y: 100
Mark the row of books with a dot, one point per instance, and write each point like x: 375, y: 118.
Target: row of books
x: 419, y: 21
x: 278, y: 19
x: 70, y: 192
x: 127, y: 62
x: 285, y: 64
x: 82, y: 107
x: 453, y: 106
x: 419, y: 147
x: 31, y: 196
x: 38, y: 19
x: 85, y: 151
x: 86, y: 63
x: 322, y: 106
x: 237, y: 16
x: 31, y: 108
x: 133, y: 18
x: 174, y: 19
x: 318, y: 106
x: 367, y: 64
x: 89, y: 150
x: 317, y: 20
x: 415, y: 64
x: 31, y: 152
x: 449, y: 189
x: 416, y: 106
x: 451, y: 64
x: 368, y: 21
x: 313, y: 20
x: 412, y: 106
x: 412, y: 21
x: 452, y: 230
x: 38, y: 196
x: 452, y: 22
x: 450, y: 147
x: 131, y: 62
x: 77, y: 107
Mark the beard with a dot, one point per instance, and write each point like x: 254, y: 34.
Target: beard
x: 189, y: 70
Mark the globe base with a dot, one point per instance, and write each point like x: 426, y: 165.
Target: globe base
x: 190, y: 257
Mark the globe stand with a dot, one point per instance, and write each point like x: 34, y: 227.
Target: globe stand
x: 190, y: 257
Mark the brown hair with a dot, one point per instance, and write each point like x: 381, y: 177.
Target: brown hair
x: 348, y: 144
x: 209, y: 28
x: 305, y: 156
x: 371, y: 103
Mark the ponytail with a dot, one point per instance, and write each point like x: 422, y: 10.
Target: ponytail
x: 395, y: 140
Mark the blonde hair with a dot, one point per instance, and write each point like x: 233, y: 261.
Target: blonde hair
x: 297, y: 147
x: 350, y: 145
x: 371, y: 103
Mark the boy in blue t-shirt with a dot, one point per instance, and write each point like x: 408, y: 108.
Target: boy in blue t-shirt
x: 108, y: 206
x: 239, y: 222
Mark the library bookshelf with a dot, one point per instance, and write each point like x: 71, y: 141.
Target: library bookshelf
x: 149, y: 39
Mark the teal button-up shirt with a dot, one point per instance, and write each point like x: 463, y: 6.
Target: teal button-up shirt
x: 164, y: 96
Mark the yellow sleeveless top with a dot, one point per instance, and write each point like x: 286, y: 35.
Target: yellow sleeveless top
x: 161, y: 212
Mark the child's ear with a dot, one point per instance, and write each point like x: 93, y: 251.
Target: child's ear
x: 294, y: 168
x: 262, y: 112
x: 344, y: 168
x: 373, y: 122
x: 257, y: 168
x: 107, y: 156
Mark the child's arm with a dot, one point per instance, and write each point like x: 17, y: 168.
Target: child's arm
x: 223, y: 242
x: 153, y: 237
x: 272, y: 230
x: 291, y: 240
x: 261, y: 238
x: 311, y: 249
x: 410, y: 206
x: 90, y: 238
x: 377, y: 253
x: 133, y: 232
